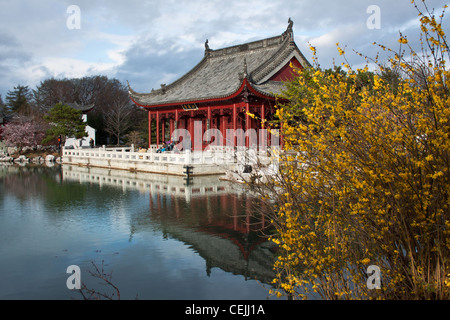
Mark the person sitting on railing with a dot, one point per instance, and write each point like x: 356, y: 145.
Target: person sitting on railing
x: 162, y: 149
x: 170, y: 145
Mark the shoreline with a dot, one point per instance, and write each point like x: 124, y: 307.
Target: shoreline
x: 32, y: 157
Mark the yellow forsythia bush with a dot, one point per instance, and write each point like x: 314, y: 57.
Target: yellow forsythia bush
x: 364, y: 178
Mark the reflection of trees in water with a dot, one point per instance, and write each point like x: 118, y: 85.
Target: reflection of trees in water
x: 25, y: 182
x: 28, y: 181
x: 220, y: 227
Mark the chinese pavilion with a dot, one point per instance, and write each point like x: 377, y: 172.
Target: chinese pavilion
x: 222, y: 89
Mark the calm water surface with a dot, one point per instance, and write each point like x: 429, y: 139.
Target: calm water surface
x: 160, y: 238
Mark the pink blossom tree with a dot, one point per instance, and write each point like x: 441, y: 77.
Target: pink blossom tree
x: 22, y: 134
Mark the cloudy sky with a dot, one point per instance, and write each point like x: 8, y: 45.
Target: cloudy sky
x: 156, y: 41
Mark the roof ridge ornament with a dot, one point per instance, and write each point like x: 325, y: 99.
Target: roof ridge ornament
x: 244, y: 74
x: 130, y: 91
x: 245, y: 68
x: 207, y: 49
x: 289, y: 33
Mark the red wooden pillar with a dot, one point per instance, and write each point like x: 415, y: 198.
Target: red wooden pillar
x: 171, y: 128
x: 157, y: 129
x: 234, y: 124
x: 263, y: 136
x: 149, y: 128
x: 175, y: 125
x: 163, y: 132
x: 223, y: 126
x: 198, y: 134
x: 247, y: 124
x: 208, y: 126
x: 191, y: 128
x: 263, y: 115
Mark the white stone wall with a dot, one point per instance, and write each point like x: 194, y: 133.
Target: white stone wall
x: 82, y: 142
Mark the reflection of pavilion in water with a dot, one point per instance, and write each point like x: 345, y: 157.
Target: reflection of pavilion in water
x: 215, y: 218
x: 221, y: 228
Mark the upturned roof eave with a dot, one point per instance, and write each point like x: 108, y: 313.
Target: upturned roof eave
x: 245, y: 83
x: 83, y: 108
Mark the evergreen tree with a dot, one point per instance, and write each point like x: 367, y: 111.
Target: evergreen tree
x: 3, y: 110
x: 19, y: 99
x: 64, y: 121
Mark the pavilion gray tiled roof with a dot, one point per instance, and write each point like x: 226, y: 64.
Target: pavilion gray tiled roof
x: 82, y: 108
x: 220, y: 73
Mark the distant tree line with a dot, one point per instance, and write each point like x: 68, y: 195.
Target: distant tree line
x: 114, y: 116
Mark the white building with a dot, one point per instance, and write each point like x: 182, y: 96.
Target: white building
x: 85, y: 141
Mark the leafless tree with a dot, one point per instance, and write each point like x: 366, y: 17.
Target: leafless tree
x: 118, y: 117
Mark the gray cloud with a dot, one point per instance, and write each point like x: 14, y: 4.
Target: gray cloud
x: 151, y: 42
x: 11, y: 49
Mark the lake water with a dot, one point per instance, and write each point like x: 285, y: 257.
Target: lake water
x: 158, y: 236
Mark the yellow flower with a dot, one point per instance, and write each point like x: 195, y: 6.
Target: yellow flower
x: 362, y: 160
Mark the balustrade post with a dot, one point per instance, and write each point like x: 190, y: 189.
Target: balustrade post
x: 187, y: 159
